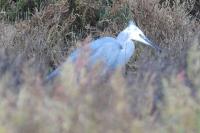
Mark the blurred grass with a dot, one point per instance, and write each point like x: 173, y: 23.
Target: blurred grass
x: 159, y: 93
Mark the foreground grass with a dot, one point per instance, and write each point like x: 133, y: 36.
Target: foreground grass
x: 159, y: 93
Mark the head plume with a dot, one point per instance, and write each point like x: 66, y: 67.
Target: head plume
x: 131, y: 22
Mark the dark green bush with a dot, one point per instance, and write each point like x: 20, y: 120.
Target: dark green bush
x: 21, y: 9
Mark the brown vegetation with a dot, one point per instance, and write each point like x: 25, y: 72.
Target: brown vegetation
x: 160, y: 92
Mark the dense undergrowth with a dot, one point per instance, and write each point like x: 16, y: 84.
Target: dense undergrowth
x: 159, y: 92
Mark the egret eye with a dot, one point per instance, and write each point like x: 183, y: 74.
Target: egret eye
x: 141, y: 35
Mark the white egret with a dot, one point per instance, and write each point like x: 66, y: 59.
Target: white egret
x: 112, y: 52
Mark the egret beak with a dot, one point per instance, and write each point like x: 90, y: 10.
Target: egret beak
x: 150, y: 43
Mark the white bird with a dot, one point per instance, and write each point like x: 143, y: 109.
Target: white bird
x: 112, y: 52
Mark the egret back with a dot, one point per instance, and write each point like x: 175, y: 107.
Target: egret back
x: 94, y: 47
x: 105, y: 50
x: 109, y: 51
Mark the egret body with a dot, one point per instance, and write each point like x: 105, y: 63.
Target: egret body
x: 112, y: 52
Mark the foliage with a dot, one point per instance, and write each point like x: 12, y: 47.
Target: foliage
x: 21, y: 9
x: 156, y: 93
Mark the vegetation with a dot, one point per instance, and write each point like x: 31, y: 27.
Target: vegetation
x: 157, y: 93
x: 21, y: 9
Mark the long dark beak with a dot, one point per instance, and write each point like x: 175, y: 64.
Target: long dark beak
x: 152, y: 44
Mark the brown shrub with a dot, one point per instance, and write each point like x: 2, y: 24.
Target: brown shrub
x: 155, y: 98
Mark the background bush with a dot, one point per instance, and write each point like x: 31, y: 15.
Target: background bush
x: 21, y: 9
x: 158, y: 93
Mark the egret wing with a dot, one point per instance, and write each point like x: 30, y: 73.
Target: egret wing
x: 104, y: 50
x: 107, y: 53
x: 101, y: 42
x: 95, y: 46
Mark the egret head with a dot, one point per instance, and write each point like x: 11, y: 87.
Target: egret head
x: 136, y: 34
